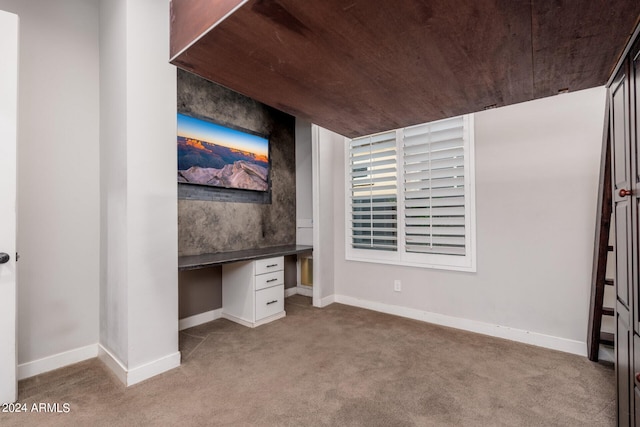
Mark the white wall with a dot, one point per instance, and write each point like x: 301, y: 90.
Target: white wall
x: 8, y: 144
x: 58, y: 176
x: 325, y: 146
x: 113, y: 169
x: 139, y: 289
x: 152, y: 199
x: 304, y: 184
x: 537, y: 167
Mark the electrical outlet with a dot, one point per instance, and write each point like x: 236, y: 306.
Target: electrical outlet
x: 397, y: 286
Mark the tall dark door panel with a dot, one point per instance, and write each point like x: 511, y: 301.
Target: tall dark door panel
x: 621, y: 171
x: 633, y: 248
x: 625, y: 120
x: 623, y: 366
x: 633, y: 199
x: 621, y: 179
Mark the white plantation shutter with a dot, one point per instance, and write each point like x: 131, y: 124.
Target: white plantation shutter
x: 410, y: 196
x: 434, y: 187
x: 373, y: 198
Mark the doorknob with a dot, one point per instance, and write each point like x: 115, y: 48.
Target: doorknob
x: 4, y: 258
x: 624, y: 193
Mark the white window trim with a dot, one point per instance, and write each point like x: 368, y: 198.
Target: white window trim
x: 434, y: 261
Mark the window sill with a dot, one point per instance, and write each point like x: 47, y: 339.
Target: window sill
x: 469, y: 268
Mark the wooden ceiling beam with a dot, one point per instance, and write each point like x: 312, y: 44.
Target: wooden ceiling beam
x: 576, y: 43
x: 193, y: 18
x: 362, y: 67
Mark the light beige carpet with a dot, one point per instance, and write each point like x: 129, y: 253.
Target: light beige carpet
x: 337, y: 366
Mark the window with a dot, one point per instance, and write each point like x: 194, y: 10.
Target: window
x: 374, y: 192
x: 410, y: 196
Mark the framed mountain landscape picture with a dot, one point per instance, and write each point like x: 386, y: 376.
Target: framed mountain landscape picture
x: 217, y: 156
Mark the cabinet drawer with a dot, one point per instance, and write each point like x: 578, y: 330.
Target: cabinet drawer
x: 268, y: 265
x: 269, y: 301
x: 268, y: 280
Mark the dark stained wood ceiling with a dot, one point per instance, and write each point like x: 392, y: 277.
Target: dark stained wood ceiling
x: 363, y: 66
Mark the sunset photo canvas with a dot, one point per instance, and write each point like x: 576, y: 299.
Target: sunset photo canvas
x: 214, y: 155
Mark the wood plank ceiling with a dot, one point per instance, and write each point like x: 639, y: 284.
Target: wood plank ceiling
x: 363, y: 66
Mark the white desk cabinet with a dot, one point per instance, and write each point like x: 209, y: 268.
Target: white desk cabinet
x: 253, y: 291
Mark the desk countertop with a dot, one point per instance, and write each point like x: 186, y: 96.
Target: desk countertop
x: 192, y: 262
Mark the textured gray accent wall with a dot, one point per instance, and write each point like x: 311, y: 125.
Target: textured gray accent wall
x: 206, y: 226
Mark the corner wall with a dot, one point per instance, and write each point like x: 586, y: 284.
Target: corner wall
x: 139, y: 287
x: 304, y: 183
x: 58, y: 194
x: 537, y: 167
x: 327, y: 149
x: 113, y: 182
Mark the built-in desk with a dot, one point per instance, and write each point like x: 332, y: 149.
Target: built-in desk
x: 192, y: 262
x: 252, y: 281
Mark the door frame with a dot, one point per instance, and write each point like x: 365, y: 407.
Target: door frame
x: 8, y: 141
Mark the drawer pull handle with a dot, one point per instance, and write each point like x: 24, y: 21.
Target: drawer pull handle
x: 272, y: 280
x: 272, y: 265
x: 272, y: 302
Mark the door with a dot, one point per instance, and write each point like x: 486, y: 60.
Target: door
x: 8, y: 135
x: 634, y: 202
x: 621, y: 174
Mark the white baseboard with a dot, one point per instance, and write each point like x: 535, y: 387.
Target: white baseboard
x: 237, y: 320
x: 199, y: 319
x: 513, y: 334
x: 151, y: 369
x: 255, y: 324
x: 140, y: 373
x: 270, y: 319
x: 325, y: 301
x: 307, y: 291
x: 60, y: 360
x: 290, y: 291
x: 113, y: 363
